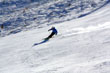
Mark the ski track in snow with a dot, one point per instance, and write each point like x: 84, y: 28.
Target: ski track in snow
x: 82, y: 46
x: 82, y: 30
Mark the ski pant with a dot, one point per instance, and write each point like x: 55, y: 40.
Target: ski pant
x: 50, y: 36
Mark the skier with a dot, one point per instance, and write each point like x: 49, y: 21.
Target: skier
x: 54, y: 32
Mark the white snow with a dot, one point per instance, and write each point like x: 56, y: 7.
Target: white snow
x: 82, y: 46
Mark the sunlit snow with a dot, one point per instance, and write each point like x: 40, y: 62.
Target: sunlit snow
x: 81, y: 46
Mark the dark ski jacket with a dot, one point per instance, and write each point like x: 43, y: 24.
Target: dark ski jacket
x: 54, y: 30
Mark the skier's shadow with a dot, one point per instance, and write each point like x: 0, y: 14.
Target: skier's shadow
x: 44, y: 41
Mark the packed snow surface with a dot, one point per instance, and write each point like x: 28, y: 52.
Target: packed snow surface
x: 81, y: 46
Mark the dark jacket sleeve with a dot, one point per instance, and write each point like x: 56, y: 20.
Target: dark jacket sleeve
x: 50, y: 29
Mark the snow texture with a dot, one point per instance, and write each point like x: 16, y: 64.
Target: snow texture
x: 82, y: 46
x: 19, y: 15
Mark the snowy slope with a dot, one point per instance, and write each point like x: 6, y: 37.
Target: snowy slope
x: 82, y: 46
x: 19, y: 15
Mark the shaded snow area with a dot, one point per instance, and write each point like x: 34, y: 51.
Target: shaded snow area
x: 21, y: 15
x: 81, y: 46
